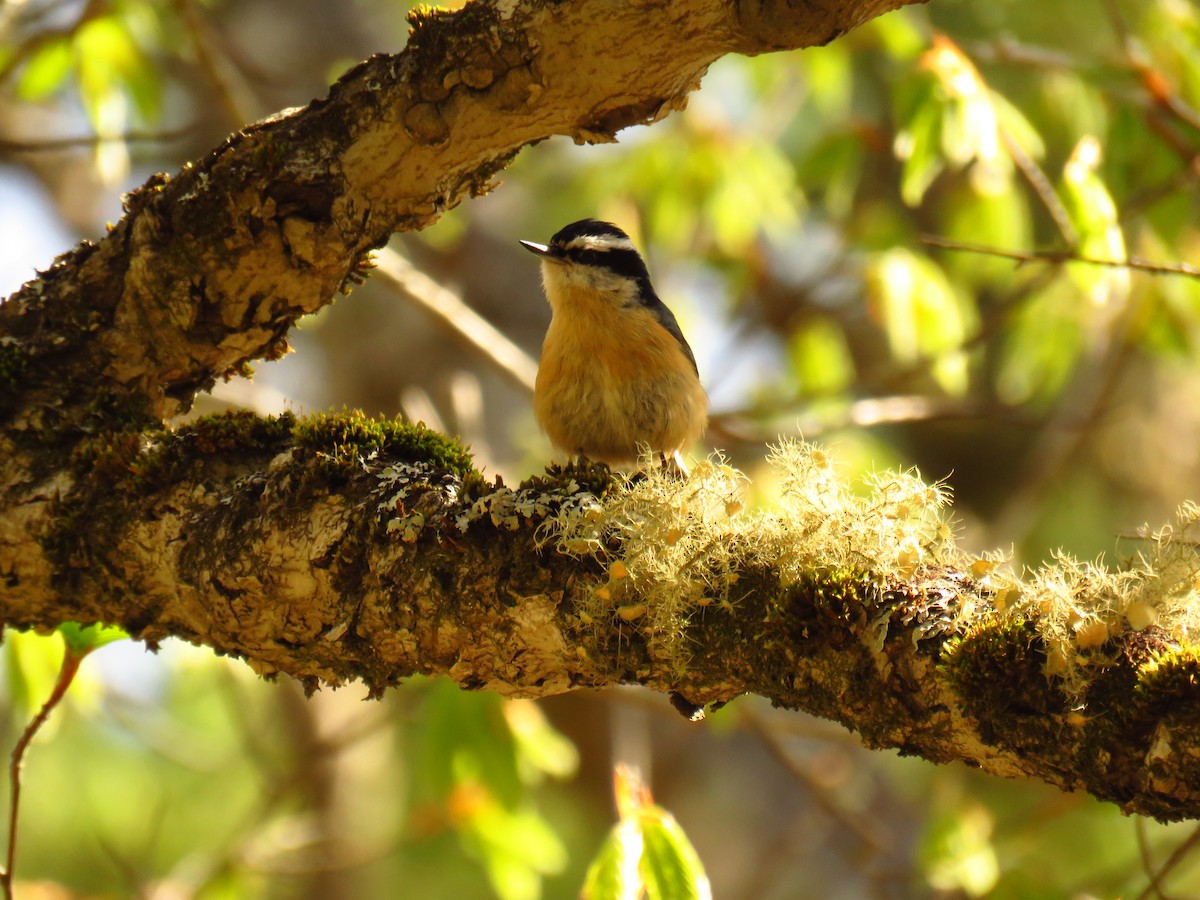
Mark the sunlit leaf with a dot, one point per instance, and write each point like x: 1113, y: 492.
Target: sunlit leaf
x: 86, y: 638
x: 918, y: 142
x: 820, y: 357
x: 670, y: 866
x: 1017, y: 127
x: 1094, y: 215
x: 992, y: 219
x: 541, y: 749
x: 46, y: 70
x: 957, y: 852
x: 830, y: 80
x: 923, y: 316
x: 109, y: 60
x: 613, y: 874
x: 646, y: 852
x: 902, y: 39
x: 517, y: 847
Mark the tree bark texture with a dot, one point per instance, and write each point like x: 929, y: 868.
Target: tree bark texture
x: 336, y: 549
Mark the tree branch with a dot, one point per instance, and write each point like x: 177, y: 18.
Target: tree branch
x: 328, y: 550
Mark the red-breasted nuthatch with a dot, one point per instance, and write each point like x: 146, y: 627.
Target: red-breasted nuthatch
x: 616, y: 374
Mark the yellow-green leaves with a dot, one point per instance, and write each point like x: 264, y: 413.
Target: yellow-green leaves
x: 46, y: 70
x: 646, y: 854
x: 951, y: 118
x: 957, y: 855
x: 739, y: 186
x: 83, y: 639
x: 923, y: 316
x: 1094, y: 216
x: 113, y: 77
x: 821, y: 361
x: 481, y: 755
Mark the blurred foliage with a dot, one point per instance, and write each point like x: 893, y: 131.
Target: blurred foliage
x: 646, y: 853
x: 782, y: 215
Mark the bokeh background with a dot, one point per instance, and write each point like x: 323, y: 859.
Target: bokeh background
x: 786, y: 217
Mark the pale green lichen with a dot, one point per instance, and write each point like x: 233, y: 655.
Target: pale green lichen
x: 672, y: 546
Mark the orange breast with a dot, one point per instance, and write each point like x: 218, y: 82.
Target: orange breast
x: 612, y: 379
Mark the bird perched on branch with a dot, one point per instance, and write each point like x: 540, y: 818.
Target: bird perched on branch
x: 616, y: 375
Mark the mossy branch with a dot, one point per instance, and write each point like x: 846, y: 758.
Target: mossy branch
x: 339, y: 549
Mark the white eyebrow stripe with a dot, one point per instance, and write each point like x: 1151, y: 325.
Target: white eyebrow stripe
x: 600, y: 242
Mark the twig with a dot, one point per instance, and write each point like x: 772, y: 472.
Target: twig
x: 1063, y: 256
x: 867, y: 412
x: 449, y: 309
x: 234, y: 98
x: 1139, y: 826
x: 44, y: 145
x: 1154, y: 888
x: 1042, y: 187
x: 869, y: 833
x: 66, y: 674
x: 1154, y: 82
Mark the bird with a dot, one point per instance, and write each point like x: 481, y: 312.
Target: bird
x: 616, y: 376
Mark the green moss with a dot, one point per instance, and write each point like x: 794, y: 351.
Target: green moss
x: 175, y: 454
x: 821, y: 607
x: 115, y: 470
x: 593, y: 477
x: 237, y: 430
x: 997, y: 670
x: 346, y: 439
x: 14, y: 363
x: 1170, y: 680
x: 110, y: 456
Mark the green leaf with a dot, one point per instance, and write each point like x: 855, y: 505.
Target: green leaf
x: 1094, y: 214
x: 958, y: 855
x: 918, y: 143
x: 1042, y: 346
x: 821, y: 361
x: 670, y: 866
x: 1014, y: 123
x: 83, y: 639
x: 46, y: 70
x: 464, y: 735
x: 924, y: 316
x: 613, y: 874
x: 901, y: 37
x: 991, y: 218
x: 516, y: 847
x: 540, y: 749
x: 109, y: 63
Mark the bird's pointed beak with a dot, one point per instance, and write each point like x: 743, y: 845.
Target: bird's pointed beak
x: 539, y: 249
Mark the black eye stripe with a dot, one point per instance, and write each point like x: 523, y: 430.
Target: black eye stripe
x: 622, y: 262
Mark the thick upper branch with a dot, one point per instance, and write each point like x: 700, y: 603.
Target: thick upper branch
x: 207, y: 270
